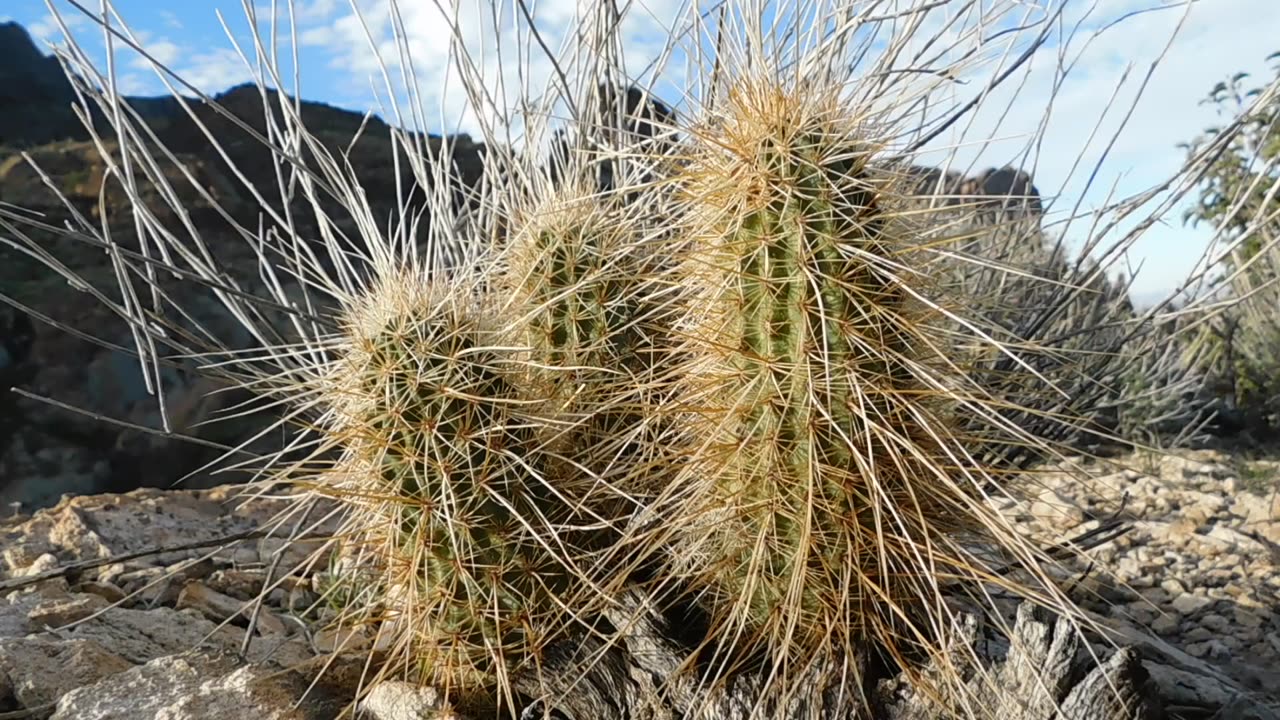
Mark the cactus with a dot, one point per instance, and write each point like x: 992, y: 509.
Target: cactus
x: 584, y: 282
x: 440, y: 457
x: 826, y: 490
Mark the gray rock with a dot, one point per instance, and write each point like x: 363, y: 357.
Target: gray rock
x: 1189, y: 604
x: 218, y: 607
x: 1165, y: 625
x: 394, y: 700
x: 40, y: 670
x: 1215, y: 622
x: 209, y: 686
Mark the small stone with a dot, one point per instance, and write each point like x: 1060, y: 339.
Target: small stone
x: 42, y: 564
x: 1249, y: 635
x: 61, y: 613
x: 300, y: 600
x: 395, y: 700
x: 239, y: 584
x: 1256, y: 509
x: 1235, y: 540
x: 1198, y: 634
x: 105, y: 590
x: 331, y: 639
x: 1214, y: 578
x: 1165, y: 625
x: 293, y: 554
x: 1180, y: 531
x: 192, y: 570
x: 1055, y: 510
x: 1215, y: 622
x: 1155, y: 596
x: 1141, y: 582
x: 152, y: 587
x: 1245, y: 618
x: 1129, y: 567
x: 1188, y: 604
x: 1140, y: 612
x: 111, y: 573
x: 218, y: 607
x: 1209, y: 649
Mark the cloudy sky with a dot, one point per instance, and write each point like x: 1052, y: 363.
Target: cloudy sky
x: 1111, y: 47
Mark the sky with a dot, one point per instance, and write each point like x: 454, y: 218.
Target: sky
x: 1115, y: 44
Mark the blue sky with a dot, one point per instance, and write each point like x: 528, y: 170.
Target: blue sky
x: 1219, y: 38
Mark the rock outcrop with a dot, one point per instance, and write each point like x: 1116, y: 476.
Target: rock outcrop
x: 32, y: 85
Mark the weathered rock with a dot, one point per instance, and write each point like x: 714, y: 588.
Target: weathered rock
x: 41, y: 670
x: 395, y: 700
x: 57, y: 636
x: 218, y: 608
x: 102, y: 526
x: 209, y: 685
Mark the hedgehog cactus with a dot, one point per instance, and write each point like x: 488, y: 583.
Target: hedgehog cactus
x: 823, y: 477
x: 574, y: 268
x: 441, y: 459
x: 583, y: 283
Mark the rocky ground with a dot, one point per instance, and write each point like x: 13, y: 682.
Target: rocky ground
x: 174, y: 635
x: 1198, y: 568
x: 171, y: 635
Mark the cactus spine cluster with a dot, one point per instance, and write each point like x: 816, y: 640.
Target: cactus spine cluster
x: 484, y: 425
x: 793, y: 330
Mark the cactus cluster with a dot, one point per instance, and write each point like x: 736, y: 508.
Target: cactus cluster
x: 800, y: 366
x: 483, y: 428
x: 747, y: 353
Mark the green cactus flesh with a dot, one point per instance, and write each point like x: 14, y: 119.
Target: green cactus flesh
x: 583, y: 289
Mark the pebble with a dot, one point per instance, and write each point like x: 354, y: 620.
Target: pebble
x: 1165, y: 625
x: 218, y: 607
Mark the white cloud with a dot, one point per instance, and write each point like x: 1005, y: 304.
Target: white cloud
x: 322, y: 36
x: 47, y: 30
x: 1216, y: 40
x: 171, y: 21
x: 215, y: 70
x: 211, y: 70
x: 137, y: 84
x: 163, y: 51
x: 506, y: 54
